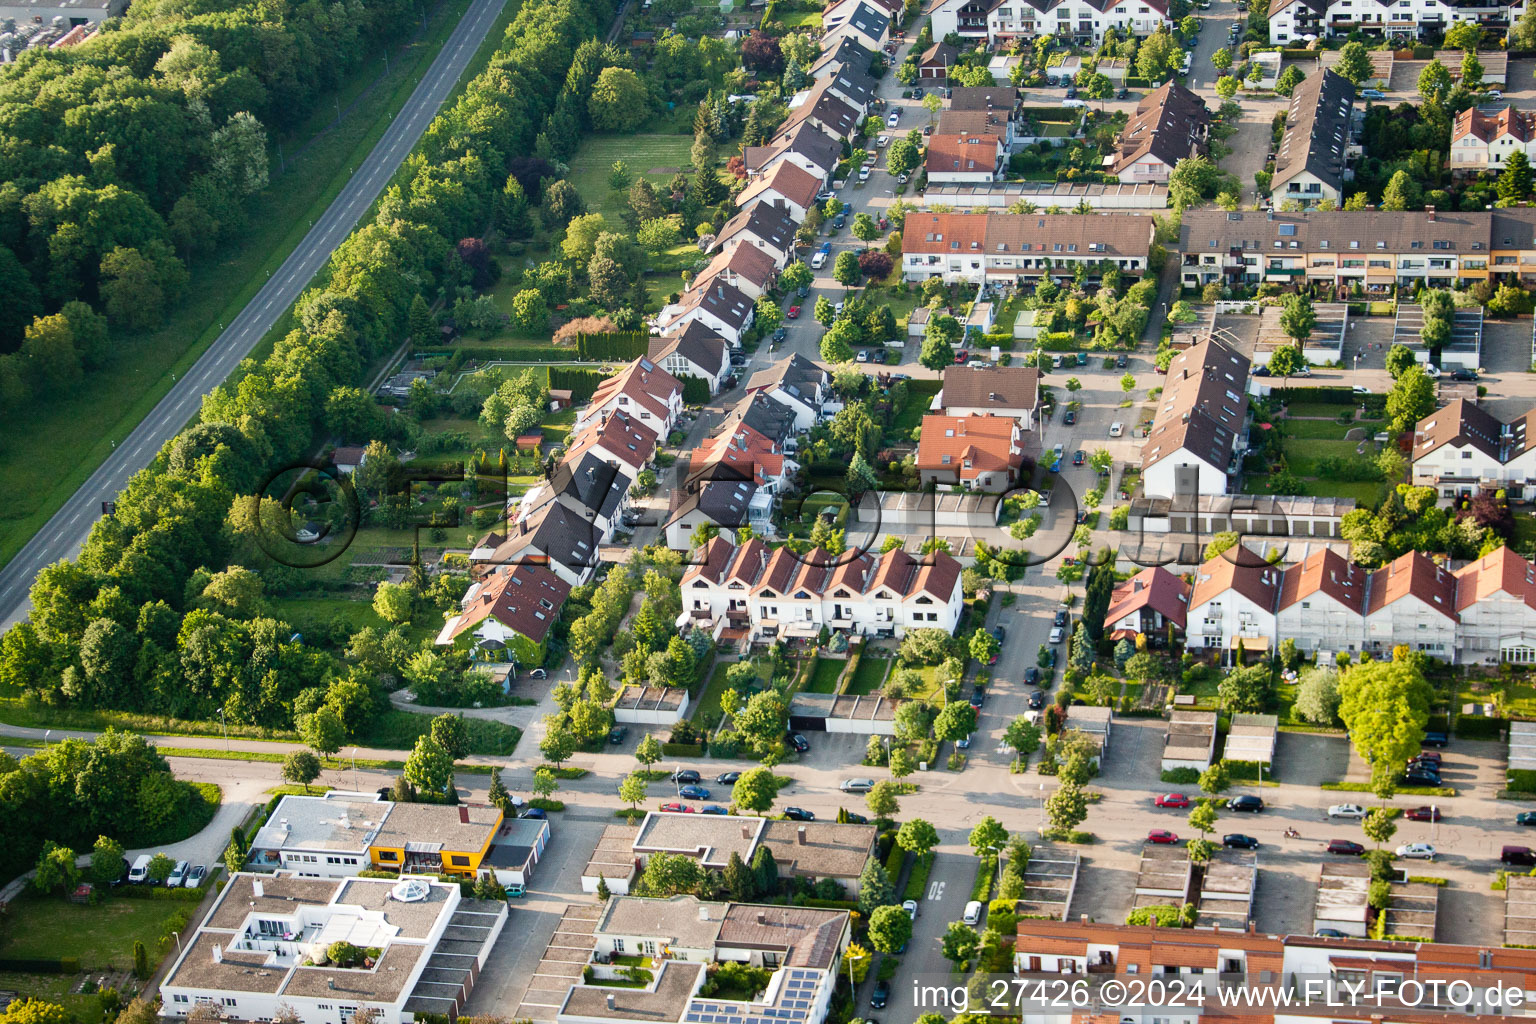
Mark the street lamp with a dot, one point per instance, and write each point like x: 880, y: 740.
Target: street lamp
x: 1042, y: 809
x: 851, y: 957
x: 225, y: 726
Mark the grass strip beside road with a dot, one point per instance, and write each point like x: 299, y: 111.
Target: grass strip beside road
x: 1365, y: 787
x: 51, y: 452
x: 917, y: 882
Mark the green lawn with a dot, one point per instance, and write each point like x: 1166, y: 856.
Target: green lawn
x: 1325, y: 430
x: 99, y: 937
x: 802, y: 19
x: 1304, y: 456
x: 708, y: 704
x: 58, y: 989
x: 824, y: 676
x: 653, y: 157
x: 868, y: 675
x: 48, y: 453
x: 919, y: 394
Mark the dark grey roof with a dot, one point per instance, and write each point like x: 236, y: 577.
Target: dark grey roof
x: 983, y: 97
x: 807, y: 140
x: 1316, y: 130
x: 562, y: 534
x: 727, y: 302
x: 849, y: 53
x: 835, y: 115
x: 593, y: 483
x: 696, y: 343
x: 796, y: 375
x: 726, y: 501
x: 770, y: 223
x: 855, y: 86
x: 769, y: 418
x: 1170, y: 124
x: 870, y: 20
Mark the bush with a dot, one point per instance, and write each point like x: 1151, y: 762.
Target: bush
x: 682, y: 750
x: 1477, y: 727
x: 1181, y: 776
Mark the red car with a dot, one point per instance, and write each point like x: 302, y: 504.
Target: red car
x: 1423, y: 814
x: 962, y: 357
x: 1177, y: 800
x: 793, y: 312
x: 677, y: 808
x: 1162, y: 837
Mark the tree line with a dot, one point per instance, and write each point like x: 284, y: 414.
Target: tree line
x: 128, y: 157
x: 132, y: 622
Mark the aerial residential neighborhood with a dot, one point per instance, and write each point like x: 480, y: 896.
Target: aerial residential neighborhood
x: 788, y: 512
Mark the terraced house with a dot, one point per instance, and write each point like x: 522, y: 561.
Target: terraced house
x: 1376, y: 249
x: 1292, y: 20
x: 1021, y: 248
x: 1084, y: 21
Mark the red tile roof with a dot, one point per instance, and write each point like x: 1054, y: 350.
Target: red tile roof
x: 1329, y: 573
x: 526, y: 598
x: 972, y: 445
x: 1241, y: 571
x: 965, y: 154
x: 1519, y: 123
x: 617, y: 433
x: 1414, y: 574
x: 1155, y: 588
x: 944, y: 232
x: 1496, y: 572
x: 789, y: 180
x: 643, y: 382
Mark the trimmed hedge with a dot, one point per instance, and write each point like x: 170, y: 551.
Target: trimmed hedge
x: 917, y: 884
x: 158, y: 892
x: 63, y: 965
x: 1522, y: 780
x: 695, y: 389
x: 617, y: 345
x: 811, y: 901
x: 1478, y: 727
x: 511, y: 353
x: 579, y: 381
x: 682, y: 750
x: 1181, y: 776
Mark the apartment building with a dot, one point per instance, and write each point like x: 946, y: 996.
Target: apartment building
x: 1462, y: 449
x: 802, y: 946
x: 1310, y: 164
x: 1197, y: 434
x: 262, y: 950
x: 771, y: 594
x: 1293, y: 20
x: 1000, y: 22
x: 1375, y: 248
x: 1168, y: 125
x: 1005, y: 249
x: 1485, y: 142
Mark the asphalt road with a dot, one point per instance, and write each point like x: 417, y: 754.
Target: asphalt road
x: 65, y: 533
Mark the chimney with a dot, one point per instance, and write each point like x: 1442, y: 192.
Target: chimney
x: 704, y: 912
x: 256, y: 888
x: 1215, y: 926
x: 463, y: 814
x: 800, y: 835
x: 746, y: 831
x: 218, y: 953
x: 1271, y: 215
x: 762, y: 917
x: 1082, y: 918
x: 1252, y: 927
x: 330, y: 983
x: 608, y: 996
x: 1431, y: 211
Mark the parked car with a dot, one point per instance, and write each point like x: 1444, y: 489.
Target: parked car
x: 780, y: 334
x: 1416, y: 851
x: 855, y: 819
x: 1249, y: 803
x: 1177, y: 801
x: 1070, y: 417
x: 1079, y: 457
x: 877, y: 356
x: 1526, y: 818
x: 1162, y: 837
x: 818, y: 260
x: 714, y: 809
x: 1521, y: 856
x: 972, y: 915
x: 1032, y: 676
x: 800, y: 743
x: 617, y: 733
x: 1123, y: 94
x: 1433, y: 756
x: 1423, y: 814
x: 798, y: 814
x: 1071, y: 92
x: 1121, y: 362
x: 686, y: 775
x: 694, y: 792
x: 861, y: 356
x: 883, y: 141
x: 878, y: 997
x: 1056, y: 635
x: 1463, y: 375
x: 195, y: 876
x: 178, y: 875
x: 840, y: 219
x: 893, y: 118
x: 962, y: 357
x: 536, y: 813
x: 1421, y: 778
x: 1082, y: 359
x: 1373, y: 94
x: 1345, y: 848
x: 910, y: 906
x: 1329, y: 933
x: 793, y: 312
x: 1494, y: 94
x: 1436, y: 739
x: 856, y: 785
x: 1238, y: 841
x: 1346, y: 811
x: 1116, y: 429
x: 978, y: 699
x: 1061, y: 618
x: 863, y: 176
x: 1037, y: 699
x: 676, y: 808
x: 727, y: 778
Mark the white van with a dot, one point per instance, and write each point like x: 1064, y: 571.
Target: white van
x: 139, y: 873
x: 972, y: 913
x: 178, y: 875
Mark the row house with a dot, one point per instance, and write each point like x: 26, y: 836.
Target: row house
x: 1000, y: 22
x: 1374, y: 248
x: 1327, y: 604
x: 804, y: 145
x: 775, y: 593
x: 1197, y: 434
x: 1009, y: 391
x: 1168, y: 125
x: 1153, y: 603
x: 746, y: 268
x: 1463, y: 449
x: 1294, y: 20
x: 737, y: 475
x: 821, y: 108
x: 1485, y: 142
x: 1005, y: 249
x: 1311, y: 163
x: 787, y: 186
x: 763, y: 226
x: 651, y: 396
x: 799, y: 385
x: 843, y: 52
x: 715, y: 303
x: 693, y: 351
x: 863, y: 21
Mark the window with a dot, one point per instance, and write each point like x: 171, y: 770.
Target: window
x: 390, y: 855
x: 459, y: 861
